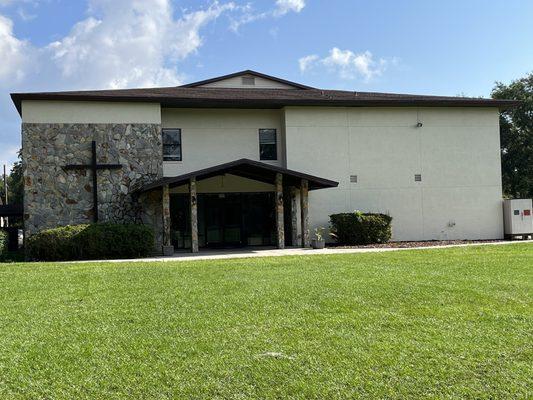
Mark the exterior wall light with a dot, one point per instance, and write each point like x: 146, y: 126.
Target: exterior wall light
x: 419, y: 124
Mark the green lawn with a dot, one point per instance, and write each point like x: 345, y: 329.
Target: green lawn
x: 453, y: 323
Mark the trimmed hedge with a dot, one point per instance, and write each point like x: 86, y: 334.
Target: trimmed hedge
x: 116, y: 241
x: 55, y: 244
x: 4, y: 242
x: 89, y: 242
x: 358, y: 228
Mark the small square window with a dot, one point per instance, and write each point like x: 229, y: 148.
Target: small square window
x: 353, y: 178
x: 268, y: 149
x: 418, y: 178
x: 171, y: 144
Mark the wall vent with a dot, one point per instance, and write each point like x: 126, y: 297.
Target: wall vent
x: 353, y: 178
x: 248, y: 80
x: 418, y: 178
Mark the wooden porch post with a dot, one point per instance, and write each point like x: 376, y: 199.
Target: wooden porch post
x: 304, y: 209
x: 294, y: 217
x: 280, y: 225
x: 168, y: 249
x: 194, y: 215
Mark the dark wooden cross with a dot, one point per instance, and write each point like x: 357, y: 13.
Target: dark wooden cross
x: 94, y: 167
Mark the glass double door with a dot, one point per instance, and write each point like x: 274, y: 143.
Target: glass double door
x: 223, y: 220
x: 236, y: 219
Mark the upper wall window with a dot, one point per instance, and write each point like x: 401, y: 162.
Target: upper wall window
x: 172, y: 144
x: 268, y: 149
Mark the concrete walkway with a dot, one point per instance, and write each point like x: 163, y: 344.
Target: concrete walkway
x: 295, y: 251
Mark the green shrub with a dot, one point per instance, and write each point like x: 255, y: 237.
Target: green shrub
x: 55, y: 244
x: 357, y: 228
x: 115, y: 241
x: 86, y: 242
x: 4, y: 240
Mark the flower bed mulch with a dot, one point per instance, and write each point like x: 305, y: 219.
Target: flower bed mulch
x: 429, y: 243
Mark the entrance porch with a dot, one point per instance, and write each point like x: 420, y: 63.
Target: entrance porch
x: 236, y: 204
x: 225, y: 220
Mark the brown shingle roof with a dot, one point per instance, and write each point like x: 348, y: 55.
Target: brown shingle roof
x: 261, y: 98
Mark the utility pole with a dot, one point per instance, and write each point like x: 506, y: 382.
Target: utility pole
x: 5, y: 194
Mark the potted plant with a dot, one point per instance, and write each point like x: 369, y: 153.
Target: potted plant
x: 318, y: 242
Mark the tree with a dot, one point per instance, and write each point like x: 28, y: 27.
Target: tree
x: 516, y: 137
x: 15, y: 184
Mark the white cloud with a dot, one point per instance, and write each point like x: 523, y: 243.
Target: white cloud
x: 347, y: 64
x: 187, y: 29
x: 307, y: 61
x: 14, y: 53
x: 246, y: 18
x: 131, y: 44
x: 285, y: 6
x: 282, y: 7
x: 350, y: 64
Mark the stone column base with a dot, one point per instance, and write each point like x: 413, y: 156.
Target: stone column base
x: 168, y: 250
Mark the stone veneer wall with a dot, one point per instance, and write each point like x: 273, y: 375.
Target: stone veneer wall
x: 55, y: 197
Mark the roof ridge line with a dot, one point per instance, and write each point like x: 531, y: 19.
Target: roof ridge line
x: 244, y: 72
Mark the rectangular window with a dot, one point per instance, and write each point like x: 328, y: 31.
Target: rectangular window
x: 171, y: 144
x: 268, y: 149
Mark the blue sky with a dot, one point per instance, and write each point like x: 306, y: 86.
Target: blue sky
x: 426, y: 47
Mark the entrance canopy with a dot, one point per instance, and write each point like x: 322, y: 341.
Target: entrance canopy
x: 281, y: 178
x: 245, y: 168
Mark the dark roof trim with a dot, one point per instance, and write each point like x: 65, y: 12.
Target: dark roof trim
x: 247, y: 169
x: 246, y: 72
x: 169, y: 101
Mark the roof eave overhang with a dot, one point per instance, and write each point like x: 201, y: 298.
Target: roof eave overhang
x: 175, y: 102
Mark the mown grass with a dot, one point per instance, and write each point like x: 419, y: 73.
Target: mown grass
x: 453, y: 323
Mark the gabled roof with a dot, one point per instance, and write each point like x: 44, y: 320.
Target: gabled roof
x: 245, y: 168
x: 192, y: 95
x: 246, y: 72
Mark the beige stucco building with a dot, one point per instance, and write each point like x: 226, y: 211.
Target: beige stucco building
x: 242, y: 149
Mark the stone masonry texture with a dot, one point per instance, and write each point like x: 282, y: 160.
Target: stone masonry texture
x: 55, y: 197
